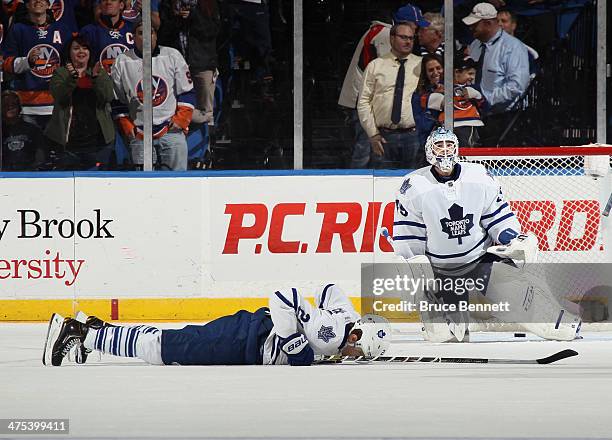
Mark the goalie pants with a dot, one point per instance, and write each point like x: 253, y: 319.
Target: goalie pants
x: 231, y: 340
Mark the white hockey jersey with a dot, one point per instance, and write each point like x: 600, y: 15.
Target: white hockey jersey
x: 325, y: 326
x: 451, y: 222
x: 171, y: 86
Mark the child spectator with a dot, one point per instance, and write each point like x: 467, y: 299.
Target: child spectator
x: 32, y: 53
x: 81, y: 125
x: 22, y: 142
x: 467, y: 101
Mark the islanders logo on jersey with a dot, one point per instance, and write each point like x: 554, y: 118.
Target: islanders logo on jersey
x: 110, y: 53
x: 48, y: 60
x: 57, y: 7
x: 160, y: 91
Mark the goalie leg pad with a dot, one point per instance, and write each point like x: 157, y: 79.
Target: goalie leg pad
x: 437, y: 326
x: 530, y: 304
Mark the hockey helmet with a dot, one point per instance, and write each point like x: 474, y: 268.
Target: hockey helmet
x: 442, y: 149
x: 375, y: 335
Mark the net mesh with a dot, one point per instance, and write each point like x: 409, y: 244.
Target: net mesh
x: 558, y: 198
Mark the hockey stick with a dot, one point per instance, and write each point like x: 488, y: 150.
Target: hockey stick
x: 563, y: 354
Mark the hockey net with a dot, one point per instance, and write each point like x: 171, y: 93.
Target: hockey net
x: 560, y: 194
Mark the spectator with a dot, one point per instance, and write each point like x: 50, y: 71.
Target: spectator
x: 384, y: 106
x: 8, y: 11
x: 131, y: 12
x: 32, y: 53
x: 173, y: 100
x: 182, y: 10
x: 22, y: 142
x: 411, y: 15
x: 65, y: 11
x: 431, y: 38
x: 502, y: 69
x: 373, y: 44
x: 467, y: 102
x: 199, y: 46
x: 431, y: 80
x: 68, y: 12
x: 111, y: 35
x: 253, y: 40
x: 81, y: 127
x: 508, y: 22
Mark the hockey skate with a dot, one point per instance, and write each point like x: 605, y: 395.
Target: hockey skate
x: 62, y: 335
x: 93, y: 322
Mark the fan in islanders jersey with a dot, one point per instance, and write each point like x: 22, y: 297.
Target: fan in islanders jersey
x: 462, y: 239
x: 291, y: 331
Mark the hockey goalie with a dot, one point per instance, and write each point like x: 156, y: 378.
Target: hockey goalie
x: 459, y: 235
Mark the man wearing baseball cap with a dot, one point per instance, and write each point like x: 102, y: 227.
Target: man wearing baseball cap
x: 502, y: 68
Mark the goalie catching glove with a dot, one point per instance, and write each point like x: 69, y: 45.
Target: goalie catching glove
x: 298, y: 352
x: 523, y: 247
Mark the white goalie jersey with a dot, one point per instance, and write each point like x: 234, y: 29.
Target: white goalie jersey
x: 451, y: 221
x: 325, y: 326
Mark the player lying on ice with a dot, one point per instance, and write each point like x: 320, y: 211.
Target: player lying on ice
x: 291, y: 331
x: 451, y: 221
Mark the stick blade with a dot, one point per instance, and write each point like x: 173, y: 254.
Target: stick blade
x: 563, y: 354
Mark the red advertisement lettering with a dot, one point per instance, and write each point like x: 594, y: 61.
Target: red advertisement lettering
x: 331, y: 227
x: 237, y: 231
x: 525, y: 210
x: 589, y: 235
x: 276, y: 245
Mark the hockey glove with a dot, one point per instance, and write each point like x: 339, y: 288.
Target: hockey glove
x: 297, y: 350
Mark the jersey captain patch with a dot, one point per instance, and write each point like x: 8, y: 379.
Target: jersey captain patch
x: 326, y: 333
x: 458, y: 225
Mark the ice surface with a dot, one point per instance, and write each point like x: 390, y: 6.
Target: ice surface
x: 124, y: 398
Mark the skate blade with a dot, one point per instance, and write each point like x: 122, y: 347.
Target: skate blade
x: 55, y: 326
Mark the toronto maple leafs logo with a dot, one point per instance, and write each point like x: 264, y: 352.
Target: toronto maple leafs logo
x: 381, y: 334
x: 405, y: 186
x: 326, y: 333
x: 458, y: 225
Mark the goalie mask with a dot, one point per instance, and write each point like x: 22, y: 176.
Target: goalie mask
x: 442, y: 149
x: 375, y: 335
